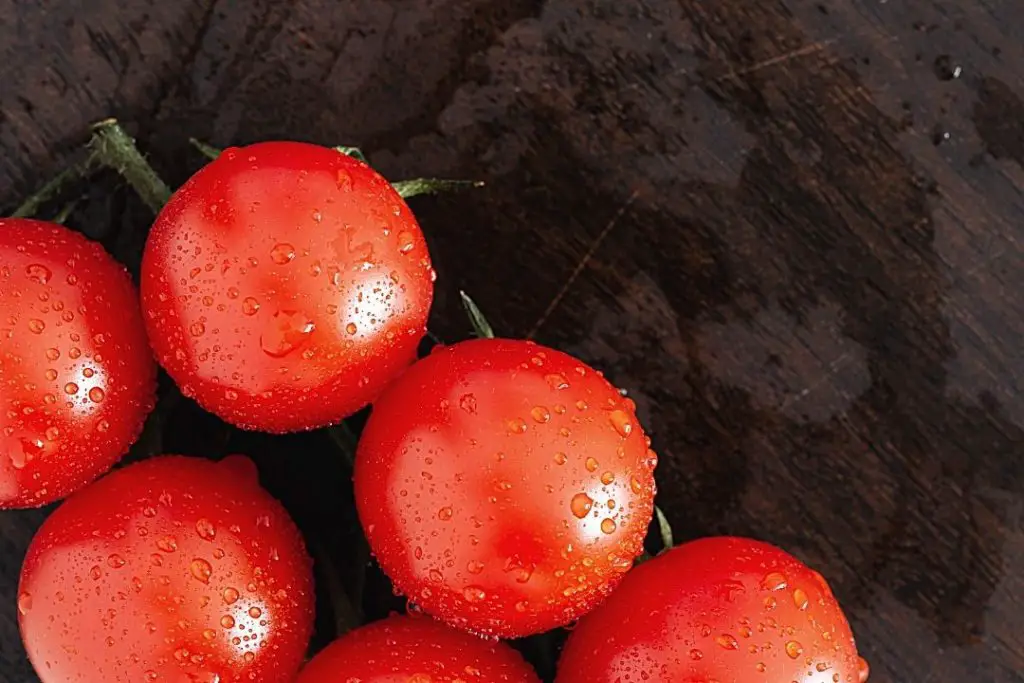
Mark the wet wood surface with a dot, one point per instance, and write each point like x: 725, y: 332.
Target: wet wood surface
x: 793, y: 230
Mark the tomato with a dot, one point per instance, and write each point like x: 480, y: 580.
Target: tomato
x: 173, y: 569
x: 718, y: 609
x: 284, y: 285
x: 504, y: 487
x: 416, y: 650
x: 77, y: 378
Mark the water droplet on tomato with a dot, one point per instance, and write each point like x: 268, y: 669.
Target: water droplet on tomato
x: 696, y: 655
x: 556, y: 381
x: 344, y: 180
x: 96, y: 395
x: 38, y: 272
x: 475, y: 567
x: 255, y: 612
x: 52, y: 433
x: 36, y: 325
x: 727, y: 642
x: 863, y: 670
x: 168, y: 544
x: 444, y: 514
x: 794, y: 649
x: 517, y: 426
x: 282, y: 253
x: 351, y: 328
x: 774, y: 581
x: 285, y: 332
x: 52, y: 354
x: 800, y: 599
x: 560, y: 458
x: 607, y: 478
x: 227, y: 621
x: 621, y: 422
x: 608, y: 525
x: 406, y: 241
x: 540, y: 414
x: 70, y: 388
x: 468, y: 403
x: 205, y: 529
x: 522, y: 606
x: 201, y: 570
x: 24, y: 603
x: 581, y: 504
x: 591, y: 464
x: 250, y: 306
x: 230, y: 595
x: 197, y: 329
x: 474, y: 594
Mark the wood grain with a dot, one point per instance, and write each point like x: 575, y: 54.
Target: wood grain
x: 793, y: 230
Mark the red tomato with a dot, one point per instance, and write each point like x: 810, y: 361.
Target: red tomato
x: 77, y: 378
x: 504, y: 487
x: 416, y: 650
x: 718, y: 609
x: 284, y: 285
x: 173, y: 569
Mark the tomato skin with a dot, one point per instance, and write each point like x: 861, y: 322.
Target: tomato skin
x: 153, y: 571
x: 77, y: 378
x: 402, y: 649
x: 504, y: 487
x: 693, y: 614
x: 284, y: 285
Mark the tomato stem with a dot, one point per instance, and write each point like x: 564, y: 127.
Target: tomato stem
x: 664, y: 528
x: 30, y: 207
x: 208, y: 151
x: 481, y: 327
x: 418, y: 186
x: 116, y: 149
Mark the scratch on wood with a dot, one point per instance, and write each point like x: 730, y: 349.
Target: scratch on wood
x: 804, y: 51
x: 582, y: 264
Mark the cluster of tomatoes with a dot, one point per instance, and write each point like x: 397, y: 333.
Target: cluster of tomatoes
x: 505, y: 488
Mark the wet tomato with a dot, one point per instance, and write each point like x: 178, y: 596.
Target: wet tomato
x: 505, y: 487
x: 77, y: 378
x: 173, y: 569
x: 416, y: 650
x: 717, y: 609
x: 284, y: 285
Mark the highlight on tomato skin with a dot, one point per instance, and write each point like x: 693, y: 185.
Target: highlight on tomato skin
x: 284, y: 285
x: 404, y: 649
x: 716, y: 609
x: 77, y: 377
x: 504, y: 487
x: 172, y: 569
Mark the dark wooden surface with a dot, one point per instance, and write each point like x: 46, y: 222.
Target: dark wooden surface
x: 794, y: 230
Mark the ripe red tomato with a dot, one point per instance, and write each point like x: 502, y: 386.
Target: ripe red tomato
x: 504, y: 487
x: 416, y: 650
x: 718, y: 609
x: 77, y: 378
x: 173, y: 569
x: 284, y: 285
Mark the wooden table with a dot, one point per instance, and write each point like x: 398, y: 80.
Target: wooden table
x: 793, y: 230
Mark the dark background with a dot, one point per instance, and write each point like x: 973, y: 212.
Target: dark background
x: 793, y: 230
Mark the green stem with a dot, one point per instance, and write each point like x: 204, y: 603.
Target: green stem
x: 664, y: 529
x: 49, y: 191
x: 115, y: 149
x: 208, y: 151
x: 481, y: 327
x: 418, y: 186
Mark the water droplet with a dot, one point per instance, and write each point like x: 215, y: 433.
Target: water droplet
x: 517, y: 426
x: 540, y: 414
x: 250, y: 306
x: 522, y: 606
x: 727, y: 642
x: 205, y: 529
x: 52, y: 433
x: 621, y: 422
x: 230, y: 596
x: 794, y: 649
x: 475, y: 567
x: 444, y: 514
x: 406, y: 241
x: 761, y: 668
x: 24, y: 603
x: 556, y: 381
x: 282, y: 253
x: 435, y: 576
x: 774, y: 582
x: 608, y: 525
x: 696, y: 655
x: 233, y: 292
x: 255, y: 612
x: 70, y: 388
x: 285, y: 332
x: 581, y: 505
x: 197, y: 329
x: 800, y: 599
x: 52, y: 354
x: 209, y: 634
x: 863, y: 670
x: 96, y: 573
x: 36, y: 325
x: 227, y: 621
x: 343, y: 180
x: 770, y: 603
x: 474, y: 594
x: 351, y: 328
x: 167, y: 544
x: 591, y: 464
x: 249, y: 657
x: 38, y: 272
x: 115, y: 561
x: 201, y: 570
x: 96, y: 395
x: 560, y: 458
x: 468, y: 403
x: 607, y: 478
